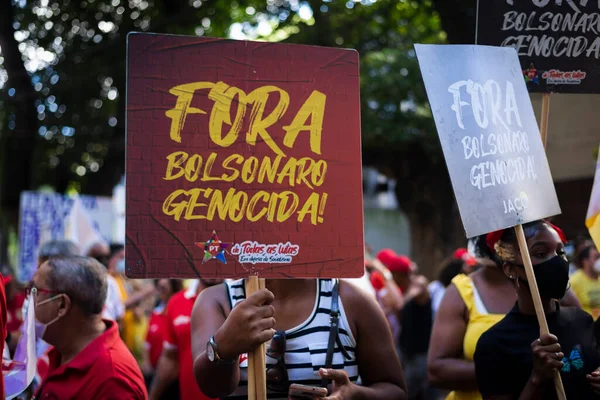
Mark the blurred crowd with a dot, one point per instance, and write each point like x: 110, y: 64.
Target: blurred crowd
x: 435, y: 325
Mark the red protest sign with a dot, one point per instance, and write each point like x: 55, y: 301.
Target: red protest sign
x: 243, y: 158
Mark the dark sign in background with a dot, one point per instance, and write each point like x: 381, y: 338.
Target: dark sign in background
x: 558, y: 41
x: 243, y: 158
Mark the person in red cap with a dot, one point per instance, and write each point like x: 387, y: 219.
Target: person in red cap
x: 382, y: 280
x: 401, y: 267
x: 387, y: 291
x: 470, y: 263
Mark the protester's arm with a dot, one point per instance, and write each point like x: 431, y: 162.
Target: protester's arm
x: 246, y: 327
x: 447, y: 367
x: 392, y: 299
x: 594, y: 380
x: 137, y: 297
x: 146, y: 366
x: 378, y: 365
x: 533, y: 390
x: 167, y: 372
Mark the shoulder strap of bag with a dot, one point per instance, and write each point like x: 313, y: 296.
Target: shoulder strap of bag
x: 333, y: 327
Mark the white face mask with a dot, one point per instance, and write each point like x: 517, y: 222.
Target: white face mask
x: 40, y: 327
x: 597, y: 265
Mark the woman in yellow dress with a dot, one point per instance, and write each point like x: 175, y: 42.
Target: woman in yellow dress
x: 471, y: 305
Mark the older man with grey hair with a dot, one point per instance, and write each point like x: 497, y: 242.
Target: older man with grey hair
x: 89, y: 360
x: 52, y: 248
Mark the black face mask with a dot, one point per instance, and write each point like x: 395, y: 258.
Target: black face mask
x: 552, y: 277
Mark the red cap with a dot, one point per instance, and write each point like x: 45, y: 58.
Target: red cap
x: 492, y: 238
x: 385, y: 256
x: 6, y: 279
x: 400, y: 264
x: 463, y: 254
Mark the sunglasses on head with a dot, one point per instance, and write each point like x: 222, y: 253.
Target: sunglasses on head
x: 277, y: 375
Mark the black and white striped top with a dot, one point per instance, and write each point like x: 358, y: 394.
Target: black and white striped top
x: 306, y: 344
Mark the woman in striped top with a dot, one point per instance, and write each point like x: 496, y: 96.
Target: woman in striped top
x: 297, y: 313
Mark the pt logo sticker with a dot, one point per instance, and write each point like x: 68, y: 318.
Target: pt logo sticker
x: 254, y: 253
x: 214, y: 248
x: 531, y: 75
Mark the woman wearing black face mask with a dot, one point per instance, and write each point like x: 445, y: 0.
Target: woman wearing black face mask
x: 511, y: 360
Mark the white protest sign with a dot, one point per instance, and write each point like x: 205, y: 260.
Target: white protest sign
x: 489, y: 136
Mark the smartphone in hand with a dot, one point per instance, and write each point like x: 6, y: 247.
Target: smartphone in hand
x: 299, y: 392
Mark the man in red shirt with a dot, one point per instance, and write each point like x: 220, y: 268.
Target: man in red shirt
x: 89, y: 360
x: 176, y: 358
x: 155, y: 338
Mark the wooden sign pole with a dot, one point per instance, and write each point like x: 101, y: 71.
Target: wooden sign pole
x: 251, y: 287
x: 545, y: 117
x: 535, y: 293
x: 257, y: 369
x: 261, y: 362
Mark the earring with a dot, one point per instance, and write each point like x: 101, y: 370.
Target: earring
x: 511, y: 277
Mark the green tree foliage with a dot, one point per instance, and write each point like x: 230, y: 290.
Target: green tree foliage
x: 63, y: 85
x: 73, y: 61
x: 399, y: 136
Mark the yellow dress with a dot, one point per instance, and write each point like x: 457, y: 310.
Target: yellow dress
x: 588, y: 292
x: 134, y: 334
x: 479, y: 322
x: 134, y: 327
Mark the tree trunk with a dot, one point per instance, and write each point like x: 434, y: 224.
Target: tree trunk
x: 458, y: 19
x: 425, y: 194
x: 436, y: 231
x: 17, y: 145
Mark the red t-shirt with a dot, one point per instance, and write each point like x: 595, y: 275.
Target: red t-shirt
x: 157, y: 327
x: 104, y: 370
x: 2, y: 327
x: 178, y: 336
x: 15, y: 312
